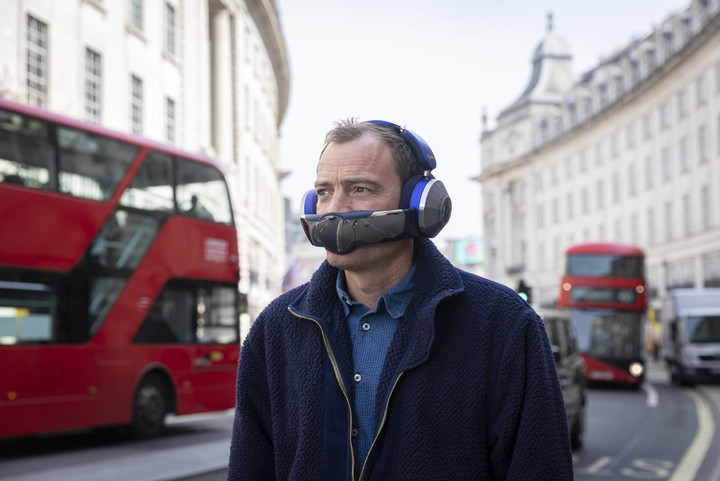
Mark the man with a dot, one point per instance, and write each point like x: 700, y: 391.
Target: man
x: 391, y: 363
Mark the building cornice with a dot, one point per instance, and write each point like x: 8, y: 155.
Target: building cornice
x: 710, y: 27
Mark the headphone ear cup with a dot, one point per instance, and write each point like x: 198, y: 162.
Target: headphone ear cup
x: 431, y: 201
x: 435, y: 208
x: 309, y: 202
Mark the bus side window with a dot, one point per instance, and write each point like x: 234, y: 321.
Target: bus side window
x: 170, y: 319
x: 152, y: 187
x: 91, y: 166
x: 217, y: 315
x: 202, y: 192
x: 26, y: 312
x: 189, y: 312
x: 26, y: 152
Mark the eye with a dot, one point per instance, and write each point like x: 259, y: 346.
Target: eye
x: 321, y: 192
x: 361, y: 189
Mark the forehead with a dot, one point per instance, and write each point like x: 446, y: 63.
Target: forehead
x: 367, y: 155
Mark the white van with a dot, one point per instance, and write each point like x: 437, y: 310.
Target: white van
x: 691, y: 334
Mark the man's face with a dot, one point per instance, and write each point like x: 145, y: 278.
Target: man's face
x: 358, y: 175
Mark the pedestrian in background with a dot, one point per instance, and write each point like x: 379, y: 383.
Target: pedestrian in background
x: 391, y: 363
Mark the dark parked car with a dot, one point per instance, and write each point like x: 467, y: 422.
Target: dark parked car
x: 570, y: 368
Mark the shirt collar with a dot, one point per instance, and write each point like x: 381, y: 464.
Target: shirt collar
x: 395, y: 300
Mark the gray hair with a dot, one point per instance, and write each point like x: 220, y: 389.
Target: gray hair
x: 346, y: 130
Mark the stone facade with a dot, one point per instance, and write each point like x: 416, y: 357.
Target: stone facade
x: 208, y: 76
x: 629, y: 152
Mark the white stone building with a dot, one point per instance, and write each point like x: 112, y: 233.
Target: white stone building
x: 628, y: 152
x: 209, y: 76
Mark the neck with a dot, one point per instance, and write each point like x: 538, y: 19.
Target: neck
x: 367, y: 286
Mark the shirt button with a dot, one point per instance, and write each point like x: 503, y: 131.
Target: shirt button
x: 357, y: 377
x: 366, y: 326
x: 354, y: 433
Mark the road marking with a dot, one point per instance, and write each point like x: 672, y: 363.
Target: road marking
x: 652, y: 395
x: 694, y: 456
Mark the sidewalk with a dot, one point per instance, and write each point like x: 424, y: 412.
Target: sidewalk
x: 208, y: 462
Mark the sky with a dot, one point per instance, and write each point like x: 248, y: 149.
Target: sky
x: 432, y: 66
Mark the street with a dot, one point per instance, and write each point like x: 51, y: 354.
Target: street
x: 194, y: 448
x: 660, y: 431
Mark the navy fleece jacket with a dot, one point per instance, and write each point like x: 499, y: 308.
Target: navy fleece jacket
x: 469, y: 389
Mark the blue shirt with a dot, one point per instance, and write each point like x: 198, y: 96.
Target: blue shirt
x: 371, y: 332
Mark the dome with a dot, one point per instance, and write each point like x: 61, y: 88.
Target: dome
x: 552, y: 45
x: 552, y: 76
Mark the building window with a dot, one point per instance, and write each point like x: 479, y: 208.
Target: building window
x: 666, y: 164
x: 630, y: 136
x: 170, y: 119
x: 647, y: 126
x: 136, y: 105
x: 614, y: 149
x: 600, y: 194
x: 538, y: 181
x: 598, y: 153
x: 668, y: 222
x: 651, y: 227
x: 136, y: 14
x: 632, y: 181
x: 683, y: 154
x: 633, y: 229
x: 37, y: 62
x: 703, y: 143
x: 616, y: 187
x: 569, y: 205
x: 568, y: 168
x: 584, y: 201
x: 682, y: 103
x: 169, y: 29
x: 665, y: 115
x: 701, y: 90
x: 706, y: 210
x: 555, y: 211
x: 582, y: 161
x: 93, y: 78
x: 649, y: 172
x: 687, y: 215
x: 540, y: 216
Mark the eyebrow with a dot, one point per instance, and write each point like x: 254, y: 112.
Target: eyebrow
x: 351, y: 181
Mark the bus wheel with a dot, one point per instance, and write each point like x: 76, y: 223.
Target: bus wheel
x: 149, y: 409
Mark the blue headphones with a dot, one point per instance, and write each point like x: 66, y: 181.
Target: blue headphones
x: 424, y: 209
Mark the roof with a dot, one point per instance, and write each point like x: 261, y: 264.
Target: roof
x: 552, y: 76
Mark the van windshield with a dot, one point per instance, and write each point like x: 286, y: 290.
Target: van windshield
x: 703, y: 329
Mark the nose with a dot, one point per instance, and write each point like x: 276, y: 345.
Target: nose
x: 339, y: 202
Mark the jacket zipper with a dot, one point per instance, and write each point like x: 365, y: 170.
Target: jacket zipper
x: 380, y: 428
x: 338, y: 378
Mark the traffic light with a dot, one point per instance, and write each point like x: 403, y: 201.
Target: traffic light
x: 524, y: 291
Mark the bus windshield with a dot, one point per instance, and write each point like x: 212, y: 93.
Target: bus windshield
x: 604, y: 265
x: 607, y: 333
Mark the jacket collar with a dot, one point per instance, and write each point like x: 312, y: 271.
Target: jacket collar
x: 435, y: 280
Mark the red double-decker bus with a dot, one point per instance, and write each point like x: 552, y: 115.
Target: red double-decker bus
x: 118, y: 279
x: 604, y: 287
